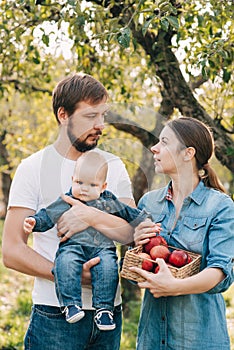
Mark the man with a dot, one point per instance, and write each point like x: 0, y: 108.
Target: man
x: 79, y: 104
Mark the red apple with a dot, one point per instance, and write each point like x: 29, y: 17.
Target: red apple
x: 189, y: 260
x: 178, y: 258
x: 156, y: 269
x: 168, y: 264
x: 160, y: 251
x: 154, y: 241
x: 146, y: 264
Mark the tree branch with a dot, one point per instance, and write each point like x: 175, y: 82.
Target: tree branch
x: 126, y: 125
x: 168, y: 70
x: 22, y: 85
x: 196, y: 82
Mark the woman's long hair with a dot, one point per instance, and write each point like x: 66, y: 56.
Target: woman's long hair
x: 193, y: 133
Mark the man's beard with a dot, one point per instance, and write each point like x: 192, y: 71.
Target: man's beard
x: 81, y: 146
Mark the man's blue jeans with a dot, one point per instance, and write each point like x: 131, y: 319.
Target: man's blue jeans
x: 48, y: 330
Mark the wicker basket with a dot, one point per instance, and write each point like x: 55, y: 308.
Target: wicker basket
x: 132, y: 258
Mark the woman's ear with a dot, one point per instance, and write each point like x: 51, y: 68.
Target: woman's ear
x: 189, y: 153
x: 62, y: 115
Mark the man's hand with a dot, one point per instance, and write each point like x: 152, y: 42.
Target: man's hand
x: 86, y: 274
x: 74, y: 220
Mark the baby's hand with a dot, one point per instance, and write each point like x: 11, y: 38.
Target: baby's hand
x: 29, y: 224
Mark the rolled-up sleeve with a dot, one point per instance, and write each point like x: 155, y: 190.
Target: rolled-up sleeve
x: 221, y: 244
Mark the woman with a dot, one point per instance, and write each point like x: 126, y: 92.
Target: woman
x: 196, y: 215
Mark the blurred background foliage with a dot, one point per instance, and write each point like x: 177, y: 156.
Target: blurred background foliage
x: 158, y: 59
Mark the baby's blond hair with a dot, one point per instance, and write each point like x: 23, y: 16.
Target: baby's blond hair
x: 93, y: 161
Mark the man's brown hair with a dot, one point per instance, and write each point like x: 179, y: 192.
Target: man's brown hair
x: 77, y: 88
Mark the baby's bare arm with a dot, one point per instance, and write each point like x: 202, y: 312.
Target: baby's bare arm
x: 29, y: 224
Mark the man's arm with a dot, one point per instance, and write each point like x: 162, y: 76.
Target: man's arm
x: 81, y: 216
x: 17, y: 255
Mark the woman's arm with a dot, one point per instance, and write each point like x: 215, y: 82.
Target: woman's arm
x: 165, y: 284
x: 81, y: 216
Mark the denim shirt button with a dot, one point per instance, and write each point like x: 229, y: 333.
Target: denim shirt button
x: 163, y: 341
x: 163, y: 318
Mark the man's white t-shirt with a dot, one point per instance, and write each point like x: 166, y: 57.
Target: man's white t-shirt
x: 39, y: 180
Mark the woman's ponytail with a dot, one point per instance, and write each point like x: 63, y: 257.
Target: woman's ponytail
x: 210, y: 178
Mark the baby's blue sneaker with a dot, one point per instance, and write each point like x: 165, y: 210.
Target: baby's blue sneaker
x: 104, y: 320
x: 73, y: 313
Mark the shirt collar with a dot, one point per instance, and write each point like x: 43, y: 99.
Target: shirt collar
x: 197, y: 195
x: 169, y: 194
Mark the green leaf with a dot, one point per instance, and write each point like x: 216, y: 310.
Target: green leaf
x: 211, y: 63
x: 135, y: 44
x: 226, y: 75
x: 173, y: 21
x: 223, y: 53
x: 124, y: 38
x: 203, y: 63
x: 80, y: 21
x: 36, y: 60
x: 46, y: 39
x: 205, y: 72
x: 146, y: 25
x: 200, y: 20
x: 123, y: 41
x: 164, y: 24
x: 230, y: 151
x: 72, y: 3
x: 154, y: 45
x: 164, y: 5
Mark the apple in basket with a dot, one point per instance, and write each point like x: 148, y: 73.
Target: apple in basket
x: 160, y: 251
x: 179, y: 258
x: 154, y: 241
x: 189, y: 259
x: 146, y: 264
x: 156, y: 269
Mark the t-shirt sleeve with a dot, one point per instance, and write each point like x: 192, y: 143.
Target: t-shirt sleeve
x: 119, y: 181
x: 23, y: 188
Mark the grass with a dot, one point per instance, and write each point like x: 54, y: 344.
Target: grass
x: 15, y: 308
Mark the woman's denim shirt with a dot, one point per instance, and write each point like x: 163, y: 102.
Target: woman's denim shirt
x: 206, y: 226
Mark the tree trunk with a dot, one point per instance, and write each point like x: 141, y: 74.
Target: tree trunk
x: 130, y: 291
x: 180, y: 93
x: 5, y: 176
x: 167, y: 68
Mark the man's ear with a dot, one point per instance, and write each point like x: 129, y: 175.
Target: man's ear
x: 62, y: 115
x: 189, y: 153
x: 104, y: 186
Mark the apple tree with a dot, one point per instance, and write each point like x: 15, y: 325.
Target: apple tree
x: 166, y: 55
